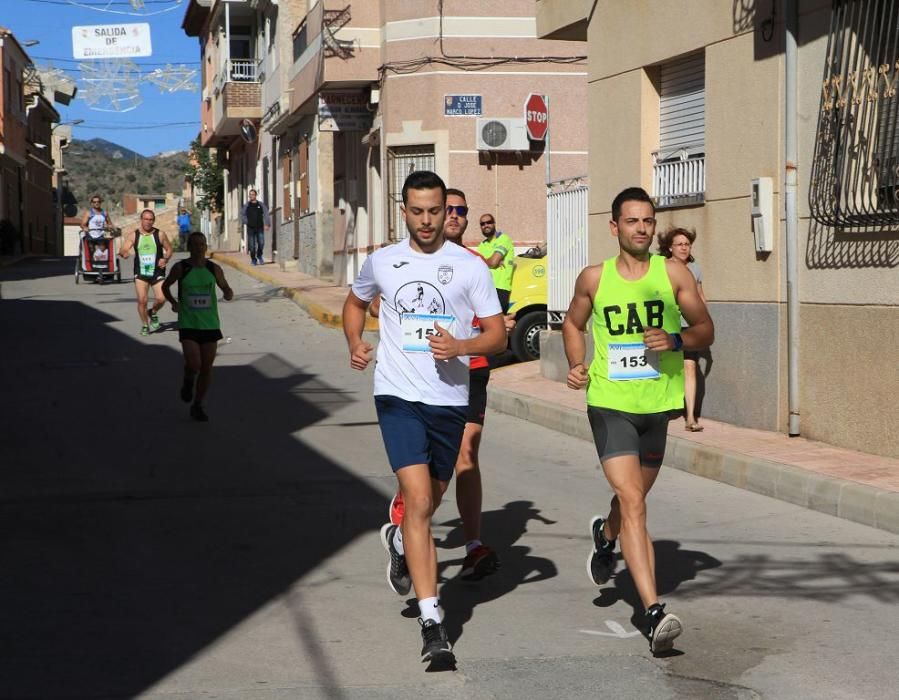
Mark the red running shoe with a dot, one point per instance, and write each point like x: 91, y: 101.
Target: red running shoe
x: 397, y: 508
x: 479, y: 562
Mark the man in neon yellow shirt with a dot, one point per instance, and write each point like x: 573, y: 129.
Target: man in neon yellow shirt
x: 499, y: 252
x: 635, y: 384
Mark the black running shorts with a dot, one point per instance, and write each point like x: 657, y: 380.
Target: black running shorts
x: 200, y: 335
x: 477, y: 395
x: 618, y: 433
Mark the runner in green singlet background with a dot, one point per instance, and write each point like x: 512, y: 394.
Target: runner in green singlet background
x: 199, y: 326
x: 635, y: 384
x: 153, y: 251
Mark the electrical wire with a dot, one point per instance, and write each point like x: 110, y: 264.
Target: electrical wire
x: 469, y: 63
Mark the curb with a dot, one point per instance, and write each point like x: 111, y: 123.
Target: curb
x: 845, y: 499
x: 9, y: 261
x: 323, y: 315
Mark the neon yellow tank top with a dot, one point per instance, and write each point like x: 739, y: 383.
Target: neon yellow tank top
x: 624, y: 375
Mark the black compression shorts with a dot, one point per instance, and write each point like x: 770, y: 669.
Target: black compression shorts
x: 477, y: 395
x: 618, y: 433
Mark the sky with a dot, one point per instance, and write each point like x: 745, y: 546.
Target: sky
x: 164, y: 121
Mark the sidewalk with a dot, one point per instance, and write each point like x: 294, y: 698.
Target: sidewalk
x: 320, y: 299
x: 851, y: 485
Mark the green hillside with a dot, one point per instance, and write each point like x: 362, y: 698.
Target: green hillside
x: 99, y: 166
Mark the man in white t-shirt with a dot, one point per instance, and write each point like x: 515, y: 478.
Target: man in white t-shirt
x: 430, y: 292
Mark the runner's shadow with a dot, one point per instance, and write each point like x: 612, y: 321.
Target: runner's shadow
x: 502, y: 528
x: 674, y: 566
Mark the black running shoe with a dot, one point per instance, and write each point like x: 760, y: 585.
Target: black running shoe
x: 435, y: 645
x: 479, y: 562
x: 601, y: 559
x: 398, y: 577
x: 198, y: 414
x: 663, y: 629
x: 187, y: 390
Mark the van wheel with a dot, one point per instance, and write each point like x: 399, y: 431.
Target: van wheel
x: 525, y: 340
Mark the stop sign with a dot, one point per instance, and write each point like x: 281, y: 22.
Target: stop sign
x: 536, y: 116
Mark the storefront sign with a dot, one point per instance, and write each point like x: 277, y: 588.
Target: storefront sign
x: 462, y: 106
x: 343, y: 111
x: 111, y: 41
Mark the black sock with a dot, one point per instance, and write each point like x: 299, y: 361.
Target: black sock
x: 655, y: 609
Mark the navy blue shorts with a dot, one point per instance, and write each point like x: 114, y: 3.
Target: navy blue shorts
x: 416, y: 433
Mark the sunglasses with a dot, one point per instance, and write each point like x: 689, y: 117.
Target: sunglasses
x: 487, y: 223
x: 458, y: 208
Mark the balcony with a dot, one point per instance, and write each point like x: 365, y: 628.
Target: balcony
x: 333, y: 50
x: 678, y: 180
x: 563, y: 19
x: 236, y: 95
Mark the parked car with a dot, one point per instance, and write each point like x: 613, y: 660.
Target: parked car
x: 527, y: 303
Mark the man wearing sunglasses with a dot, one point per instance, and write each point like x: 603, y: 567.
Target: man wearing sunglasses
x: 480, y: 560
x: 497, y: 249
x: 94, y: 225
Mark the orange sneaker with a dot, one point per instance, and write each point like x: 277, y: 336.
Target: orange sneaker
x: 397, y: 508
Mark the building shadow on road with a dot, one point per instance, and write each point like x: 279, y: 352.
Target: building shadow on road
x: 134, y: 539
x: 502, y: 529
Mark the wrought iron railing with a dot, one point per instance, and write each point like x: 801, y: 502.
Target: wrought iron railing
x: 678, y: 181
x: 855, y: 168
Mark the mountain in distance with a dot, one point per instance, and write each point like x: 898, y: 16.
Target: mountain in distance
x: 98, y: 166
x: 113, y: 150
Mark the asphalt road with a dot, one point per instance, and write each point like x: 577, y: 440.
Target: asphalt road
x: 143, y: 554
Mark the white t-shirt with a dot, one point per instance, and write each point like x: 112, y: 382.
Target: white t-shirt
x: 449, y: 282
x: 96, y: 223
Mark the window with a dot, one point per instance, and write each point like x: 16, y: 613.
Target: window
x: 300, y: 42
x: 679, y: 164
x: 855, y: 169
x: 401, y: 161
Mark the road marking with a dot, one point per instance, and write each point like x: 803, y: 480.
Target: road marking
x: 617, y: 631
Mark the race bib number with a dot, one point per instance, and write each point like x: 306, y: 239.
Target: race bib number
x: 199, y: 302
x: 417, y: 328
x: 632, y: 361
x: 147, y: 263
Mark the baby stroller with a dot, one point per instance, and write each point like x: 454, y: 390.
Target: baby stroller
x: 97, y: 259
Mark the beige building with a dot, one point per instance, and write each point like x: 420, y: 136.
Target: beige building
x: 349, y: 96
x: 694, y: 101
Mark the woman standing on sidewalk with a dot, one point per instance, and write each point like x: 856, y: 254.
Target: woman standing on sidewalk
x: 677, y: 243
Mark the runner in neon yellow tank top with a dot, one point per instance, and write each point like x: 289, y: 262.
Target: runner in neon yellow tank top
x: 634, y: 384
x: 199, y: 327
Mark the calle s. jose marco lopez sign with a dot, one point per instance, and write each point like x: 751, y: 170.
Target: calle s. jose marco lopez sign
x: 111, y: 41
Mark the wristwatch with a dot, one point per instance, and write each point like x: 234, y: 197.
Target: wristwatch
x: 678, y: 341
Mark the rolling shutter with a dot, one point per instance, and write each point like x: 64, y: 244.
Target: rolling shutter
x: 682, y: 104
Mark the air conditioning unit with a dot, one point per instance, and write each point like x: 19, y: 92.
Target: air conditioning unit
x: 502, y: 135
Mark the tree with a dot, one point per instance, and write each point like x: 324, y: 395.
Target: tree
x: 207, y: 177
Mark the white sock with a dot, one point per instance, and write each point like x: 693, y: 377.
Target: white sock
x: 473, y: 544
x: 429, y: 609
x: 398, y: 541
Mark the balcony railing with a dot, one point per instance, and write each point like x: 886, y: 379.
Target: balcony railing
x: 678, y: 181
x: 237, y: 70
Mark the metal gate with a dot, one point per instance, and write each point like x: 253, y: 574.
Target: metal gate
x: 566, y: 241
x: 401, y: 161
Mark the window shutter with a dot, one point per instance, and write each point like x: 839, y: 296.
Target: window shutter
x: 682, y: 103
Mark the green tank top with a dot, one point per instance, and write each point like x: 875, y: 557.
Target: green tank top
x: 624, y: 375
x: 500, y: 243
x: 149, y: 250
x: 197, y: 303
